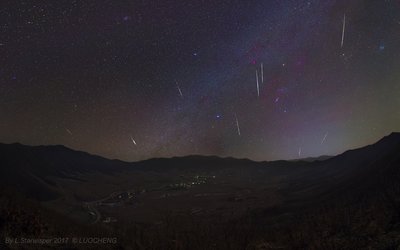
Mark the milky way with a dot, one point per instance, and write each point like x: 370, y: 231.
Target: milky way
x: 179, y: 76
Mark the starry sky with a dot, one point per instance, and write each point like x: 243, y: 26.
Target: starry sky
x: 137, y: 79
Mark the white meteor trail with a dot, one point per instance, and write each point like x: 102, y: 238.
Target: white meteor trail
x: 299, y: 151
x: 258, y: 85
x: 237, y: 124
x: 343, y: 29
x: 133, y: 141
x: 323, y: 140
x: 179, y: 89
x: 69, y: 131
x: 262, y: 73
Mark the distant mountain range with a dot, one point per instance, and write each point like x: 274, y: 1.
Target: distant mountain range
x: 31, y: 169
x: 319, y: 158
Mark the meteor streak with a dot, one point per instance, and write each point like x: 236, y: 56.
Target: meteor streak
x: 133, y: 141
x: 343, y: 29
x: 323, y: 140
x: 237, y: 124
x: 179, y: 89
x: 258, y: 86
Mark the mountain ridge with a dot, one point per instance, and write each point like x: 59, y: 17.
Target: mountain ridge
x: 393, y: 137
x: 32, y: 168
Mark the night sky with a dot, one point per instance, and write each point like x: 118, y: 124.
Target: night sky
x: 159, y: 78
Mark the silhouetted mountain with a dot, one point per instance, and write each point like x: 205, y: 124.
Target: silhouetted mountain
x: 31, y: 168
x: 311, y: 159
x: 352, y: 170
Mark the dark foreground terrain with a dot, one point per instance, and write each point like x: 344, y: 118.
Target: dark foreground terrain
x: 350, y: 201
